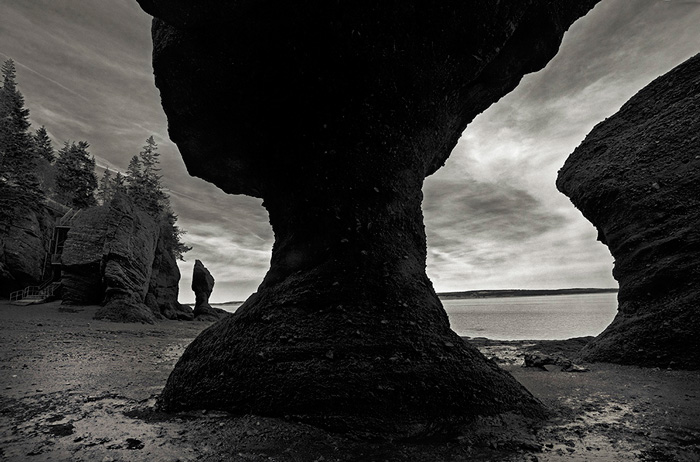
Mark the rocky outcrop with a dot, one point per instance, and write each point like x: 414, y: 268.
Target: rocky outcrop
x: 540, y: 361
x: 115, y: 255
x: 163, y: 287
x: 334, y: 113
x: 23, y: 246
x: 635, y: 177
x: 108, y: 258
x: 202, y: 286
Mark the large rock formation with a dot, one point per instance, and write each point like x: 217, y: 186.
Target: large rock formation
x: 202, y: 286
x: 23, y: 247
x: 636, y: 177
x: 334, y: 113
x: 163, y: 288
x: 113, y: 256
x: 108, y: 257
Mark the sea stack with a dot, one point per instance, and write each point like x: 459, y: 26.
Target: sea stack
x: 636, y: 177
x: 334, y: 113
x: 202, y: 286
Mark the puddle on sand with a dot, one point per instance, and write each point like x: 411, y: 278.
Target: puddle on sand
x: 600, y: 432
x: 87, y: 428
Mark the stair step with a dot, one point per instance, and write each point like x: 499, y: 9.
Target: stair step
x: 23, y: 302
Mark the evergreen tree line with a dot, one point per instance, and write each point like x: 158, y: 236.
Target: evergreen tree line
x: 31, y: 171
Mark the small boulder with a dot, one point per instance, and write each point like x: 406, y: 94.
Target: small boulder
x: 540, y: 361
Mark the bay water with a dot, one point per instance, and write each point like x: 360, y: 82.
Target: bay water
x: 550, y: 317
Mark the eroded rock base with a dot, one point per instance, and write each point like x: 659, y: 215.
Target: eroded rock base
x: 352, y: 366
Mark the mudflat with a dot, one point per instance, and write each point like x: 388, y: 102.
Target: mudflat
x: 73, y: 388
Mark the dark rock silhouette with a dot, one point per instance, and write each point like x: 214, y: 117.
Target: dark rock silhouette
x: 23, y: 246
x: 636, y: 178
x: 202, y: 286
x: 334, y: 113
x: 112, y: 257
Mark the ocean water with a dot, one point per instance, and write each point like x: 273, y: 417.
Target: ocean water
x: 551, y: 317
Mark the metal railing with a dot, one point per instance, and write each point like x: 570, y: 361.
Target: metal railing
x: 46, y: 290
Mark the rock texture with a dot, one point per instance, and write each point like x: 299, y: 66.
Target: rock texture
x: 334, y: 113
x: 111, y: 257
x: 163, y: 289
x: 636, y: 178
x: 23, y: 247
x: 108, y: 257
x: 202, y: 286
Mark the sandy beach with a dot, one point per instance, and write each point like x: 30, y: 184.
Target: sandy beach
x: 72, y: 388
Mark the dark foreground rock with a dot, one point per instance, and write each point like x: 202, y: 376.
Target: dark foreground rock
x: 635, y: 177
x: 334, y: 113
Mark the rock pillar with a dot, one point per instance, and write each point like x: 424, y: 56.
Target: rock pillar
x: 636, y: 178
x: 334, y: 113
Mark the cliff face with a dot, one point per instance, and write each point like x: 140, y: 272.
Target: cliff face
x: 635, y: 177
x: 334, y: 113
x: 111, y: 257
x: 23, y: 247
x: 163, y: 287
x: 81, y: 268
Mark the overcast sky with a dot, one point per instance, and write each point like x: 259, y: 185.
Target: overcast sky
x: 493, y: 215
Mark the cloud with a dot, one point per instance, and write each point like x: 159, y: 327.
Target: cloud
x: 477, y: 210
x: 496, y: 235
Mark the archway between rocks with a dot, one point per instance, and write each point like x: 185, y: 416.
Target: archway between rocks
x: 334, y: 113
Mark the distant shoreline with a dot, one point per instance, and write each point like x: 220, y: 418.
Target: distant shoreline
x: 501, y: 293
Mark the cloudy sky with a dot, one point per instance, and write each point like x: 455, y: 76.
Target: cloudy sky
x: 493, y: 215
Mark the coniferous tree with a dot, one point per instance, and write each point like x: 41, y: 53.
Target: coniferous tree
x: 44, y: 155
x: 134, y: 180
x: 144, y: 182
x: 75, y: 176
x: 145, y: 189
x: 118, y: 184
x: 19, y: 185
x: 172, y: 235
x: 105, y: 191
x: 14, y: 117
x: 43, y: 146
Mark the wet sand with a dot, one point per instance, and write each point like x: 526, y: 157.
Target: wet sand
x: 72, y: 388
